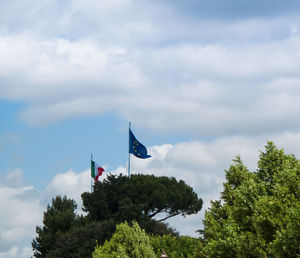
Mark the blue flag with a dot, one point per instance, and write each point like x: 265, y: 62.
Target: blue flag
x: 136, y: 148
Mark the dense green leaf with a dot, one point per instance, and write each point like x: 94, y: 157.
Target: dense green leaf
x: 127, y: 242
x: 258, y: 214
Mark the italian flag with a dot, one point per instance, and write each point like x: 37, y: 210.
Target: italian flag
x: 96, y: 170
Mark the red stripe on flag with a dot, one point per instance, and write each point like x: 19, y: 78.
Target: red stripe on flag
x: 100, y: 170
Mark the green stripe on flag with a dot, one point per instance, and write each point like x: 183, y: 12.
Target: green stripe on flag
x: 93, y: 174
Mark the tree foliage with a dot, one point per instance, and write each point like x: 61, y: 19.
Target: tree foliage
x: 80, y: 241
x: 58, y: 218
x: 175, y: 246
x: 258, y: 214
x: 68, y: 235
x: 132, y: 241
x: 127, y: 242
x: 117, y: 199
x: 140, y: 198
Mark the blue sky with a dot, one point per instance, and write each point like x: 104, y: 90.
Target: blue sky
x: 201, y: 82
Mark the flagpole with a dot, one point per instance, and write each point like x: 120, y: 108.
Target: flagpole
x: 129, y: 149
x: 91, y: 174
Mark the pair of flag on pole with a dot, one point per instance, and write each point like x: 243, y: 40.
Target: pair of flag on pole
x: 135, y: 147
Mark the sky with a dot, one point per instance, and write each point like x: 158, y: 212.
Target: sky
x: 201, y: 82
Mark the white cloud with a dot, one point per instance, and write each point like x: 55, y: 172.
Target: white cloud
x: 74, y: 59
x: 17, y: 252
x: 99, y: 7
x: 70, y: 184
x: 21, y: 211
x: 23, y: 207
x: 10, y: 253
x: 211, y: 90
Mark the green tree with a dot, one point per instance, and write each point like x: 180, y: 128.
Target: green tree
x: 140, y: 198
x: 65, y: 234
x: 258, y: 214
x: 80, y: 241
x: 175, y: 246
x: 59, y: 218
x: 127, y: 242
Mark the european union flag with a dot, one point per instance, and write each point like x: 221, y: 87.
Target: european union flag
x: 136, y: 148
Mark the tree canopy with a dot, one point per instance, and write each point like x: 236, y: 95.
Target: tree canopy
x: 115, y: 200
x: 258, y: 214
x: 175, y: 246
x: 80, y: 241
x: 130, y: 240
x: 59, y: 218
x: 127, y: 242
x: 140, y: 198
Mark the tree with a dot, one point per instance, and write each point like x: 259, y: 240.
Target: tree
x: 140, y: 198
x: 59, y: 218
x: 132, y: 241
x: 65, y: 234
x: 163, y: 195
x: 80, y: 242
x: 258, y: 214
x: 175, y: 246
x: 127, y: 242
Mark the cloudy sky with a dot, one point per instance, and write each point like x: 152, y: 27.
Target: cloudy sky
x: 201, y: 82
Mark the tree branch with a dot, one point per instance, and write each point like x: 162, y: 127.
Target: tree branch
x: 170, y: 216
x: 158, y: 211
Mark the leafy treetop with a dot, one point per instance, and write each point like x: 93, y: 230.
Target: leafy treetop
x: 140, y: 197
x: 258, y: 214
